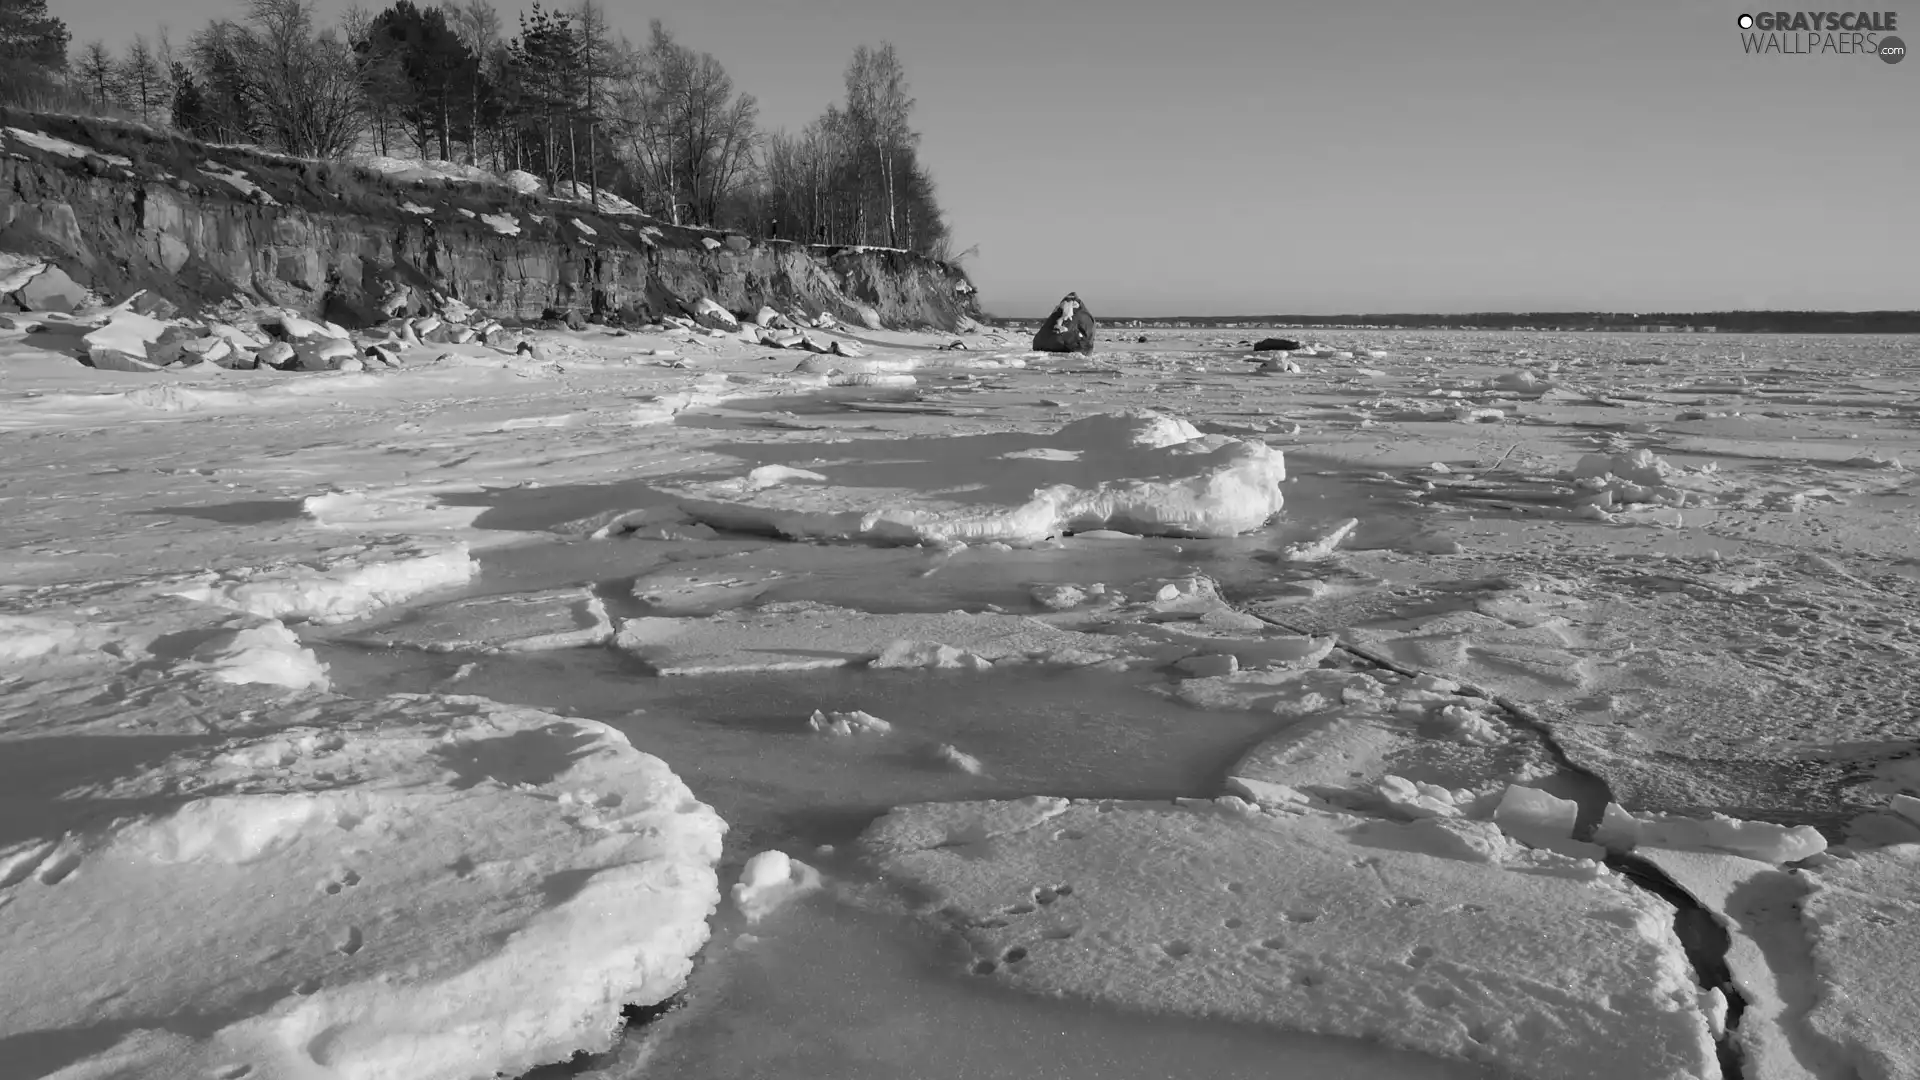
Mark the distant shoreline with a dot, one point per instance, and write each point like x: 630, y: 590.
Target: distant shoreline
x: 1698, y: 322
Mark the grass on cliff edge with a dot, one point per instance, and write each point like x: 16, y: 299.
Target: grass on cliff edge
x: 161, y: 156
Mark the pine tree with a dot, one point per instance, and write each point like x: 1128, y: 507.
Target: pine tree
x: 33, y: 48
x: 188, y: 105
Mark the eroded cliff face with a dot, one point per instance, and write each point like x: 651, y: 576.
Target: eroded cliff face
x: 312, y: 237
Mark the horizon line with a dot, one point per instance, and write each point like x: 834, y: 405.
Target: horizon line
x: 1515, y: 314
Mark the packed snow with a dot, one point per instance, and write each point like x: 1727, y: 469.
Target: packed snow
x: 293, y: 887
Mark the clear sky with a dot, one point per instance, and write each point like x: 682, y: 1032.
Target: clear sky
x: 1249, y: 156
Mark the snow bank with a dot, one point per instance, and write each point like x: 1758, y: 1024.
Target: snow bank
x: 504, y: 224
x: 424, y: 887
x: 1439, y: 937
x: 237, y: 180
x: 340, y: 591
x: 608, y: 203
x: 405, y: 170
x: 1137, y: 472
x: 64, y: 148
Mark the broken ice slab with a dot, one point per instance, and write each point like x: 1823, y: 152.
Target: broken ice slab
x: 1623, y: 830
x: 703, y: 586
x: 1769, y: 960
x: 804, y: 636
x: 1864, y: 923
x: 515, y: 622
x: 1362, y: 744
x: 339, y: 590
x: 412, y: 875
x: 1140, y: 471
x: 1439, y: 937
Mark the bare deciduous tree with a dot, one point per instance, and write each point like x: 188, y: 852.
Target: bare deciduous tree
x: 300, y: 82
x: 141, y: 81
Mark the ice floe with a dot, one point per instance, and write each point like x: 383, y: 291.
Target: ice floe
x: 1863, y: 918
x: 514, y: 622
x: 807, y: 636
x: 413, y: 886
x: 1435, y: 936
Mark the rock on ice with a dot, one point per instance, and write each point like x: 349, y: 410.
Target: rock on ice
x: 418, y: 886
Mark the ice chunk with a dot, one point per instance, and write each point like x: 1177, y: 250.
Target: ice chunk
x: 267, y: 654
x: 415, y: 886
x: 954, y: 758
x: 1323, y: 547
x: 1539, y: 819
x: 927, y: 654
x: 769, y: 880
x: 1621, y: 830
x: 341, y: 591
x: 1319, y: 922
x: 1058, y: 597
x: 847, y: 723
x: 1208, y: 665
x: 1136, y: 473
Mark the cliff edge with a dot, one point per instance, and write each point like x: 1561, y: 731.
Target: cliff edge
x: 120, y: 207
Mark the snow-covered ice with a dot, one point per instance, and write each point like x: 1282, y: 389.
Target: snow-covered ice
x: 1142, y: 472
x: 341, y: 590
x: 1316, y: 922
x: 299, y: 891
x: 1863, y: 919
x: 1422, y: 673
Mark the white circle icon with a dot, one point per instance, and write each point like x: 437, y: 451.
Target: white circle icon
x: 1746, y: 22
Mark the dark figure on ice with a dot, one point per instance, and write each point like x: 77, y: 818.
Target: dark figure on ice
x: 1069, y: 329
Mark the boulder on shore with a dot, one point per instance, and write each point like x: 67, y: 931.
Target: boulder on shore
x: 1069, y: 329
x: 51, y: 290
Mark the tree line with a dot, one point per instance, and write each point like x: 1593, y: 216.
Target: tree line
x: 558, y: 94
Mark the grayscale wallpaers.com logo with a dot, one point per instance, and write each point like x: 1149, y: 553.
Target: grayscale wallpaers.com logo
x: 1836, y: 33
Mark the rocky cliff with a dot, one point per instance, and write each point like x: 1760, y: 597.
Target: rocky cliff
x: 122, y: 208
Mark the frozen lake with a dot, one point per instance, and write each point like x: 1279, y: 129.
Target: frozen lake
x: 335, y: 698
